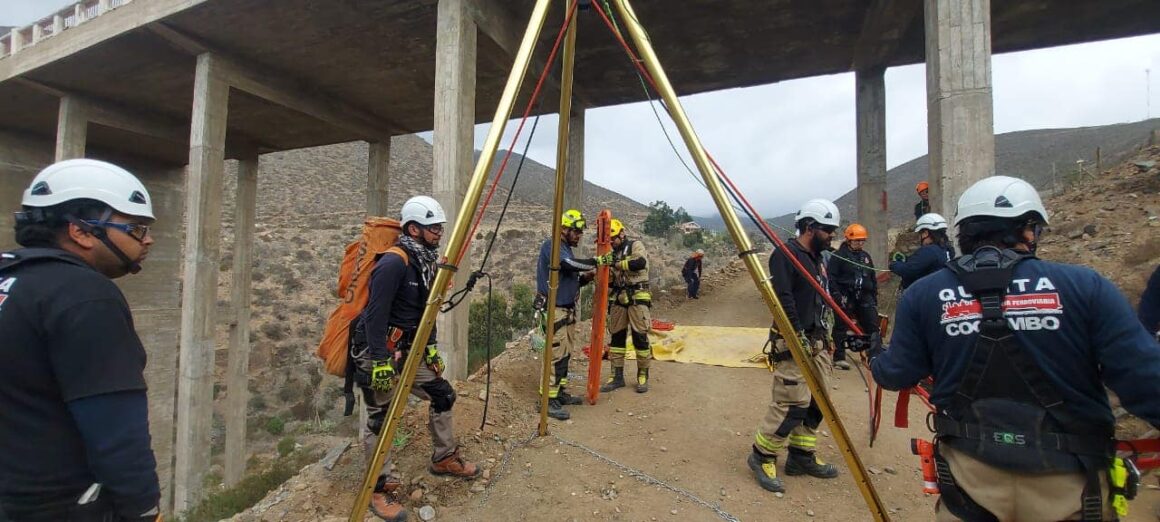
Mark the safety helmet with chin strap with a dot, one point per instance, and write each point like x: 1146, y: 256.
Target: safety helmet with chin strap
x: 931, y: 221
x: 422, y: 210
x: 75, y: 179
x: 615, y: 228
x: 1000, y: 197
x: 573, y: 219
x: 822, y: 211
x: 87, y: 179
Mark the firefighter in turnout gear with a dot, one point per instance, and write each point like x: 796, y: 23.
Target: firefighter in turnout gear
x: 793, y: 416
x: 628, y: 308
x: 1020, y: 350
x: 574, y: 273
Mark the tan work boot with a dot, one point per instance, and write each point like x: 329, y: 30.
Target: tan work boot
x: 454, y: 465
x: 384, y: 506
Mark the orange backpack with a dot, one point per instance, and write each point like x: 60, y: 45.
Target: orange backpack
x: 378, y: 237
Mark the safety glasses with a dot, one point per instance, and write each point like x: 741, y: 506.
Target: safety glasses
x: 434, y: 229
x: 133, y: 230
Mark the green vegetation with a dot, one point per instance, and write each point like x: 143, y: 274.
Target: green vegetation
x: 229, y: 502
x: 661, y: 218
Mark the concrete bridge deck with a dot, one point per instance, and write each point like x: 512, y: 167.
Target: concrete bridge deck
x: 372, y: 64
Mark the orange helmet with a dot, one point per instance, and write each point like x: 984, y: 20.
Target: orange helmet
x: 856, y: 231
x: 921, y: 186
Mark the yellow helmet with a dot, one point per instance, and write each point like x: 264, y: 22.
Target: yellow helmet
x: 572, y: 218
x: 615, y: 228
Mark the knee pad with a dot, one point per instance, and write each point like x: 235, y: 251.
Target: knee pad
x: 796, y: 416
x: 814, y: 415
x: 618, y: 339
x: 441, y: 393
x: 640, y: 340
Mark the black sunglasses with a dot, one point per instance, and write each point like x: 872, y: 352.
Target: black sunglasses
x: 133, y: 230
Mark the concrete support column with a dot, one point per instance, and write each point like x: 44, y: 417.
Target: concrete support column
x: 16, y: 41
x: 238, y: 373
x: 72, y: 124
x: 199, y: 281
x: 57, y: 24
x: 870, y: 116
x: 960, y: 112
x: 378, y: 177
x: 455, y: 53
x: 574, y: 172
x: 102, y: 6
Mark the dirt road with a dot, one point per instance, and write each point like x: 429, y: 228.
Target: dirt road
x: 675, y: 453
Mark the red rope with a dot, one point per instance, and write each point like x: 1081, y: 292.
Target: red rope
x: 874, y: 396
x: 527, y: 112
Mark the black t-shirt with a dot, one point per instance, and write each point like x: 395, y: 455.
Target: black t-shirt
x: 67, y: 334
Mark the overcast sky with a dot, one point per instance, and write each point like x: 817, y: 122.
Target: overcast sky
x: 800, y: 134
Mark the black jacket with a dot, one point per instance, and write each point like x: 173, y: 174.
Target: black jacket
x: 850, y: 280
x: 920, y: 208
x: 692, y: 267
x: 801, y: 302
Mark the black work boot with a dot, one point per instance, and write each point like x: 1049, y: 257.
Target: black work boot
x: 765, y: 469
x: 641, y: 380
x: 557, y: 411
x: 802, y: 462
x: 568, y: 399
x: 616, y: 381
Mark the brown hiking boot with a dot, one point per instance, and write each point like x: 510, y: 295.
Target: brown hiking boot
x: 384, y: 506
x: 454, y: 464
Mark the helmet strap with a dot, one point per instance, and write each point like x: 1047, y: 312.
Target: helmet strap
x: 98, y: 231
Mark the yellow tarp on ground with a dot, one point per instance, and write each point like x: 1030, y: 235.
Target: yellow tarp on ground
x: 732, y: 347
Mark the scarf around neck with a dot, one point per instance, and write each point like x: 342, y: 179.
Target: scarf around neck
x: 422, y: 256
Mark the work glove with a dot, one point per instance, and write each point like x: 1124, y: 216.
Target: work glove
x: 432, y: 359
x: 382, y: 375
x: 871, y: 344
x: 604, y: 259
x: 898, y: 256
x: 807, y: 344
x: 540, y: 304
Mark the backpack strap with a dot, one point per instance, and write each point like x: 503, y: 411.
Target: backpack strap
x: 397, y: 250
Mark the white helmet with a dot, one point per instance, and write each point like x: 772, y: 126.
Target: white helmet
x: 423, y: 210
x: 1001, y: 197
x: 930, y: 221
x: 89, y: 179
x: 821, y: 210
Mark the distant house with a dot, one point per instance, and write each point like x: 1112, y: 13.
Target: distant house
x: 689, y: 228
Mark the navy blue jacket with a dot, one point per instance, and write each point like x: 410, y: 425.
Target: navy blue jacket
x: 1075, y: 324
x: 927, y: 260
x: 398, y: 296
x: 570, y: 269
x: 1149, y: 308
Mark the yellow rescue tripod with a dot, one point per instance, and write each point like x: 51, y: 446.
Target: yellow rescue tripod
x: 467, y: 209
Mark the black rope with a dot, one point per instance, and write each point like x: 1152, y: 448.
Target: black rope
x: 487, y: 386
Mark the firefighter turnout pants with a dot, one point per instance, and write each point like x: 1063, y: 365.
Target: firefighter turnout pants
x: 564, y: 340
x: 428, y: 386
x: 793, y: 416
x: 1018, y: 496
x: 623, y: 320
